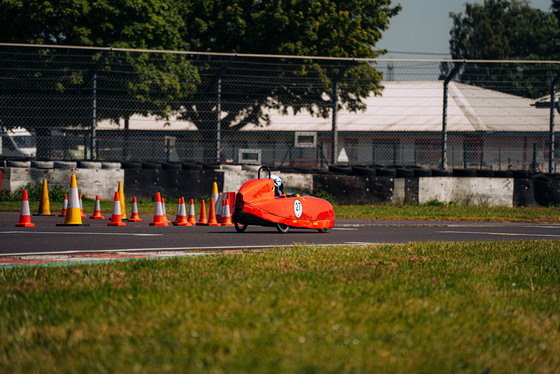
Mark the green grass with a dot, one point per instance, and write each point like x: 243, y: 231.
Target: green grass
x: 421, y: 308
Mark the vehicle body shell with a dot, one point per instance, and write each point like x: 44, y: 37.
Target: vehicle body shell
x: 256, y: 204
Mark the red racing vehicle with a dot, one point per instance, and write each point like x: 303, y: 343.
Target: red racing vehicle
x: 256, y: 204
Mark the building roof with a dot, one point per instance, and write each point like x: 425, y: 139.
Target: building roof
x: 404, y: 106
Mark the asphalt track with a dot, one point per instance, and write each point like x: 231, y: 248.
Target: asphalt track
x: 48, y: 239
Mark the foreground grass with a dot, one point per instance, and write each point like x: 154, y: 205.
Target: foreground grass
x: 431, y: 307
x: 437, y: 212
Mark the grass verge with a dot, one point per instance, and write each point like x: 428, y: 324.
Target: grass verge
x: 430, y: 307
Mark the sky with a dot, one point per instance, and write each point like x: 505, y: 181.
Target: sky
x: 423, y: 26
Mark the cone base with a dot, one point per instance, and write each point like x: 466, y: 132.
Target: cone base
x: 158, y: 224
x: 181, y: 224
x: 97, y: 217
x: 25, y: 224
x: 72, y: 224
x: 135, y: 220
x: 213, y: 224
x: 202, y: 223
x: 228, y: 224
x: 120, y: 224
x: 44, y: 215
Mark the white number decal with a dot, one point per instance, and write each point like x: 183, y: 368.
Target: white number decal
x: 298, y: 208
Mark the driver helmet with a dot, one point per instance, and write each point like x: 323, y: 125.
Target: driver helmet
x: 277, y: 183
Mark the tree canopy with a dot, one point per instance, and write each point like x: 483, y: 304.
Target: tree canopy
x: 187, y: 86
x: 505, y: 30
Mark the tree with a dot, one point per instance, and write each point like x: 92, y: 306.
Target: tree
x: 505, y: 30
x: 58, y: 82
x: 348, y: 28
x: 303, y: 28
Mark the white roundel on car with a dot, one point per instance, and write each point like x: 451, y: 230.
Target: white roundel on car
x: 298, y: 208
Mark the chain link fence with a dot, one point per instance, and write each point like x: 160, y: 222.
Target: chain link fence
x: 63, y: 103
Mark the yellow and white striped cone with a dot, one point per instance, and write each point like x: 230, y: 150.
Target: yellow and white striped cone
x: 73, y: 212
x: 217, y: 202
x: 44, y: 204
x: 121, y: 197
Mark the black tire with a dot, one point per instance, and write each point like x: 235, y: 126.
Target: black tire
x: 151, y: 165
x: 283, y: 229
x: 240, y: 227
x: 171, y: 166
x: 131, y: 165
x: 384, y: 172
x: 441, y: 173
x: 503, y: 174
x: 362, y: 170
x: 322, y: 231
x: 190, y: 166
x: 340, y: 169
x: 485, y: 173
x: 404, y: 173
x: 464, y: 173
x: 422, y: 173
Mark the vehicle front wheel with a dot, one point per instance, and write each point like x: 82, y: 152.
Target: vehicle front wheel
x: 240, y: 227
x: 282, y: 228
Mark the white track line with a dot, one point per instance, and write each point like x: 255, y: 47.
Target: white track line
x: 498, y: 233
x: 77, y: 233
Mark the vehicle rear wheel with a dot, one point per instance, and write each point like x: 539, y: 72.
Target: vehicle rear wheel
x: 323, y: 230
x: 240, y: 227
x: 282, y: 228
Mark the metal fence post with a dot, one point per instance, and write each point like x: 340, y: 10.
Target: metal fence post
x: 551, y: 146
x: 334, y: 142
x: 453, y: 72
x: 94, y: 71
x: 219, y: 108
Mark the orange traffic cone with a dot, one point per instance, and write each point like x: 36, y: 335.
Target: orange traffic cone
x: 64, y: 206
x: 178, y: 211
x: 159, y: 219
x: 226, y: 214
x: 164, y: 211
x: 25, y: 213
x: 182, y: 214
x: 202, y: 221
x: 97, y: 210
x: 81, y: 207
x: 116, y: 218
x: 134, y: 217
x: 191, y: 218
x: 212, y: 221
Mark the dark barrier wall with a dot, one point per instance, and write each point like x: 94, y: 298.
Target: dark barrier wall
x: 189, y: 184
x: 353, y: 189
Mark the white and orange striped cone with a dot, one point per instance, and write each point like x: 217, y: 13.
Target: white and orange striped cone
x: 97, y: 211
x: 159, y: 219
x: 25, y: 213
x: 164, y: 211
x: 182, y: 217
x: 202, y: 221
x: 191, y: 218
x: 134, y: 217
x: 116, y: 218
x: 82, y: 207
x: 178, y: 211
x: 73, y: 215
x: 226, y: 214
x: 212, y: 221
x: 64, y: 206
